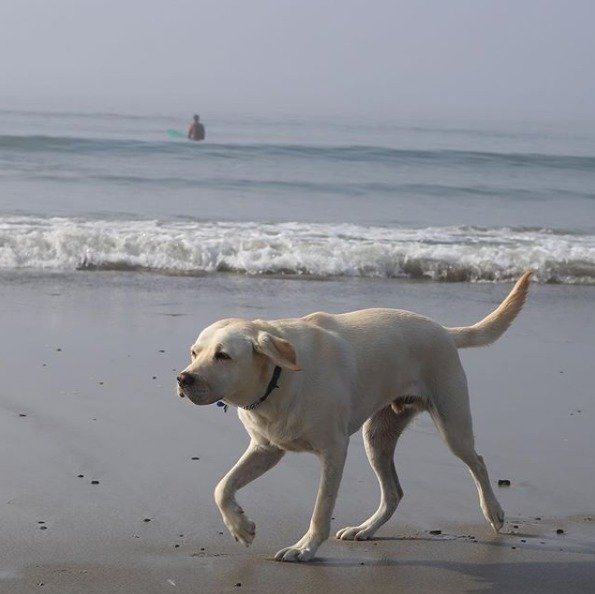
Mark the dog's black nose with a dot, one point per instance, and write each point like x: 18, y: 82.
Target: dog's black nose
x: 185, y: 379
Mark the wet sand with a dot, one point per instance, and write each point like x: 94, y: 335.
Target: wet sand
x: 107, y: 477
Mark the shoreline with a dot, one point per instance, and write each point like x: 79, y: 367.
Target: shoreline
x: 89, y: 360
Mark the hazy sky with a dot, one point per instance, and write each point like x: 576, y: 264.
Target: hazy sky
x: 497, y: 58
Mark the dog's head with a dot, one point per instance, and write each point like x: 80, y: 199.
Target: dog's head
x: 232, y: 360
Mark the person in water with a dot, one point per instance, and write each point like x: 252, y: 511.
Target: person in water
x: 196, y: 130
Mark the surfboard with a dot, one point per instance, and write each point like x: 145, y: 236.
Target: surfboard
x: 175, y: 133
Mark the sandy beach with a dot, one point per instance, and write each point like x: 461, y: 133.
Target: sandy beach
x: 107, y: 477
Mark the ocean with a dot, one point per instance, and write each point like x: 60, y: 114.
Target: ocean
x: 318, y: 199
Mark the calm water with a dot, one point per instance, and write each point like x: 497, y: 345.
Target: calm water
x: 318, y: 199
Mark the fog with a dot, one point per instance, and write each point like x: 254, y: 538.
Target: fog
x: 385, y: 58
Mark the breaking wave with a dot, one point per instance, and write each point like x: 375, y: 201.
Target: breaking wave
x: 309, y: 250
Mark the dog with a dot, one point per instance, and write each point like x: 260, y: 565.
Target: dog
x: 307, y: 384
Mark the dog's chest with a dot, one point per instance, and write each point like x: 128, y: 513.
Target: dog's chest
x: 284, y: 435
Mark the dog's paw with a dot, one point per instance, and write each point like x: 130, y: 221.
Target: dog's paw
x: 295, y: 554
x: 355, y: 533
x: 241, y: 527
x: 497, y: 520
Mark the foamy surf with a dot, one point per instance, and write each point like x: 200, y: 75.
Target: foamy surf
x: 309, y: 250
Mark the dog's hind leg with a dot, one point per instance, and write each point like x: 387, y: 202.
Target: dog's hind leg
x: 381, y: 432
x: 452, y: 417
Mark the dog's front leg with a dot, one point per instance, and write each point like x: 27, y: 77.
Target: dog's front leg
x: 332, y: 462
x: 257, y: 459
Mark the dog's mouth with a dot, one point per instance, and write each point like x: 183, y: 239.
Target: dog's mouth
x: 200, y: 399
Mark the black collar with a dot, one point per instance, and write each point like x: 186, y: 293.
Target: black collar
x: 272, y: 385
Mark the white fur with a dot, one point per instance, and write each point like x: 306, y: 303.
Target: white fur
x: 374, y: 367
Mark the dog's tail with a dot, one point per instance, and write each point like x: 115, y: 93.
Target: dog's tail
x: 494, y: 325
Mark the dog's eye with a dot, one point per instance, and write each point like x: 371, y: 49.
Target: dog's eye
x: 221, y: 356
x: 192, y: 355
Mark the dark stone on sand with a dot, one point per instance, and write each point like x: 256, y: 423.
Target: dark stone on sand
x: 154, y: 377
x: 515, y: 525
x: 538, y: 517
x: 43, y: 527
x: 559, y: 531
x: 176, y: 546
x: 435, y: 531
x: 503, y: 483
x: 101, y: 383
x: 195, y: 458
x: 239, y: 585
x: 41, y: 522
x: 80, y: 476
x: 220, y: 532
x: 22, y: 415
x: 162, y: 350
x: 59, y: 350
x: 94, y: 482
x: 147, y: 520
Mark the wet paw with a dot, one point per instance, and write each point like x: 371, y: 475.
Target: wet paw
x: 354, y: 533
x: 241, y: 527
x: 295, y: 554
x: 497, y: 520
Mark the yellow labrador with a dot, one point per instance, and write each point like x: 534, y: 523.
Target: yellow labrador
x: 307, y: 384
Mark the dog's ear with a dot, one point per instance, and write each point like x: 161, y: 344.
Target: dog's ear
x: 280, y: 351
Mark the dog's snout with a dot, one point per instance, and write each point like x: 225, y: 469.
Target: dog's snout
x: 185, y: 379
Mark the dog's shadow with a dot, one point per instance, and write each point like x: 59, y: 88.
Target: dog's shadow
x: 555, y: 574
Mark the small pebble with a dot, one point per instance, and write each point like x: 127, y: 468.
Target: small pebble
x: 538, y: 518
x: 41, y: 522
x: 59, y: 350
x: 22, y: 415
x: 176, y: 546
x: 44, y: 364
x: 202, y: 548
x: 80, y: 476
x: 162, y: 350
x: 181, y: 536
x: 43, y: 527
x: 101, y: 383
x: 435, y: 531
x: 195, y: 458
x: 513, y: 548
x: 147, y: 520
x: 154, y: 377
x: 523, y: 540
x: 239, y: 585
x: 94, y: 482
x: 559, y: 531
x: 515, y: 526
x: 503, y: 483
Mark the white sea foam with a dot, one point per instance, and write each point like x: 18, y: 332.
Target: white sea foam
x: 316, y: 250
